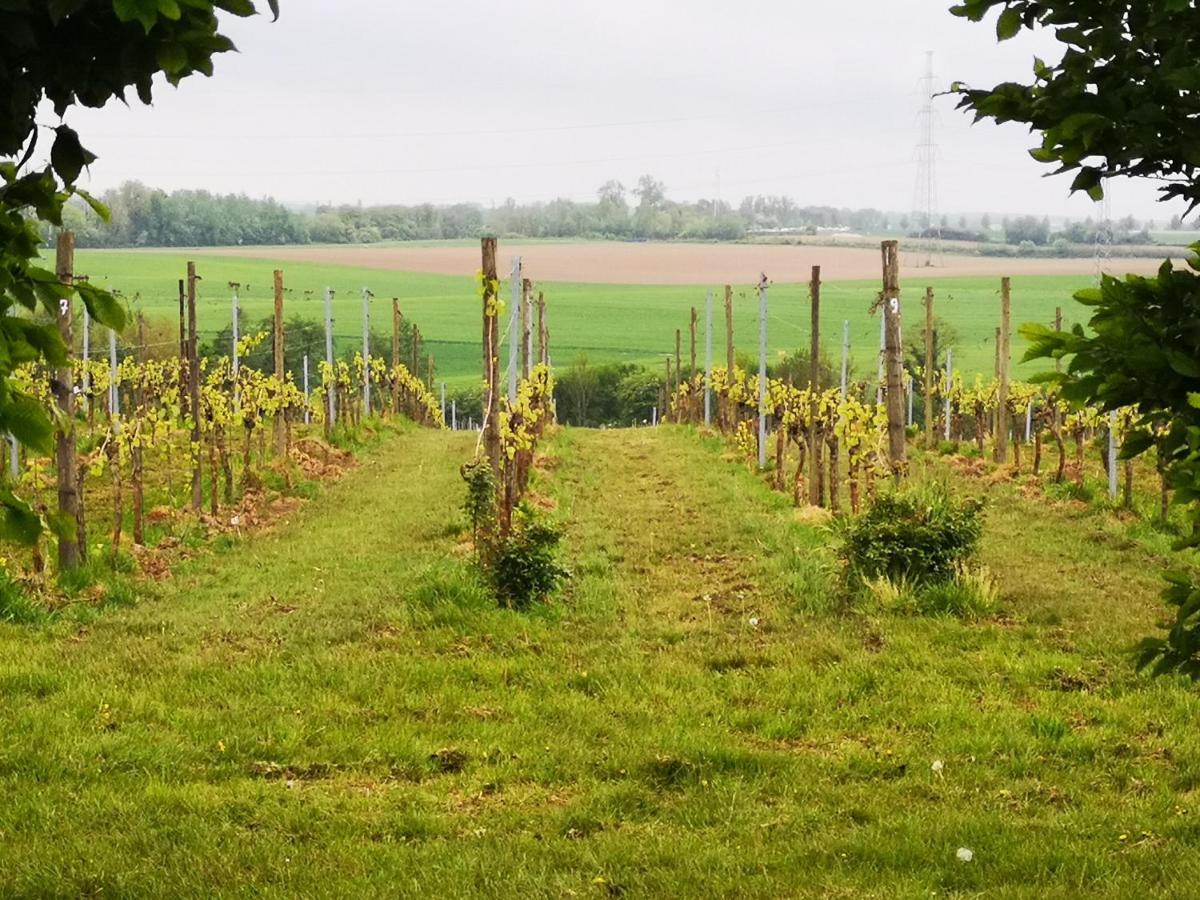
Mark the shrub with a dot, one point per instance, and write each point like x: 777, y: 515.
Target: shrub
x: 921, y: 537
x: 525, y: 568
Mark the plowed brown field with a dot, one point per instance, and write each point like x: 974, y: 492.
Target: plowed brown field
x: 656, y: 263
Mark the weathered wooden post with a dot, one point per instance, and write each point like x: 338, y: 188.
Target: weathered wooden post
x: 929, y: 363
x: 366, y: 351
x: 396, y: 318
x: 949, y: 382
x: 331, y: 386
x: 491, y: 356
x: 845, y: 358
x: 816, y: 483
x: 897, y: 449
x: 729, y: 331
x: 184, y: 380
x: 1004, y: 358
x: 137, y: 494
x: 280, y: 429
x: 543, y: 334
x: 763, y: 285
x: 692, y: 331
x: 678, y: 359
x: 708, y: 358
x: 307, y: 394
x: 526, y: 328
x: 1113, y: 450
x: 235, y: 330
x: 193, y: 352
x: 70, y: 504
x: 514, y: 336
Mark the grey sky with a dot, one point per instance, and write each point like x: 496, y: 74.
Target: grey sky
x: 464, y: 100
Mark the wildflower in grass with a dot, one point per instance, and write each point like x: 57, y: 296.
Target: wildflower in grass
x: 754, y: 621
x: 937, y: 767
x: 965, y: 854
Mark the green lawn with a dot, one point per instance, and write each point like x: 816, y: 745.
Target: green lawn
x: 606, y: 322
x: 336, y: 708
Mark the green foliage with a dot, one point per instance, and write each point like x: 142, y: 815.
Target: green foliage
x: 480, y: 502
x: 611, y: 394
x: 920, y: 537
x: 525, y: 568
x: 1140, y: 350
x: 70, y: 53
x: 1123, y: 99
x: 1179, y: 651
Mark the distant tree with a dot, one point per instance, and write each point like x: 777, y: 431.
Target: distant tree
x: 986, y: 223
x: 1027, y: 228
x: 651, y: 192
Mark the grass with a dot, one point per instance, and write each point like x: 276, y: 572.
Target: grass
x: 605, y: 322
x: 337, y: 708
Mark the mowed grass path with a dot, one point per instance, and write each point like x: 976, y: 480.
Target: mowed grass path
x: 337, y: 709
x: 624, y: 323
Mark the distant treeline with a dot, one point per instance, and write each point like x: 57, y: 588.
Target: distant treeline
x: 146, y: 217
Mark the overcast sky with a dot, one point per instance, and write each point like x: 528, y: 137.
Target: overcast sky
x: 462, y: 100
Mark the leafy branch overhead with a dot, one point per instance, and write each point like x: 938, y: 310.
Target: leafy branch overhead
x: 72, y: 53
x: 1124, y: 100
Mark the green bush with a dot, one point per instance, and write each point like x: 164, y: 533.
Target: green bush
x: 525, y: 568
x: 921, y: 537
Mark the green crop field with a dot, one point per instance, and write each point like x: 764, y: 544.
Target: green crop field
x: 605, y: 322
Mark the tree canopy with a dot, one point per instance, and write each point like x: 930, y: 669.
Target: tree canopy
x: 1124, y: 100
x: 71, y: 53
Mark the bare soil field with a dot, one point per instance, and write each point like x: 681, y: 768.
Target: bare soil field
x: 664, y: 263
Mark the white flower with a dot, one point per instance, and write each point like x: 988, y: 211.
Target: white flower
x: 937, y: 767
x: 965, y: 855
x: 754, y: 621
x: 235, y: 521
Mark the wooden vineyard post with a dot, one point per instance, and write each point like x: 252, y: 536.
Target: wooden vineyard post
x: 429, y: 373
x: 70, y: 503
x: 135, y: 453
x: 514, y: 334
x: 763, y: 285
x: 1004, y: 359
x: 692, y: 326
x: 184, y: 382
x: 491, y: 356
x: 330, y: 385
x: 708, y: 358
x: 678, y: 358
x: 816, y: 485
x: 366, y: 351
x: 193, y: 360
x: 526, y: 328
x: 415, y: 366
x: 277, y: 343
x: 543, y: 335
x: 395, y: 354
x: 893, y: 353
x: 929, y: 367
x: 666, y: 404
x: 729, y: 331
x: 845, y: 382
